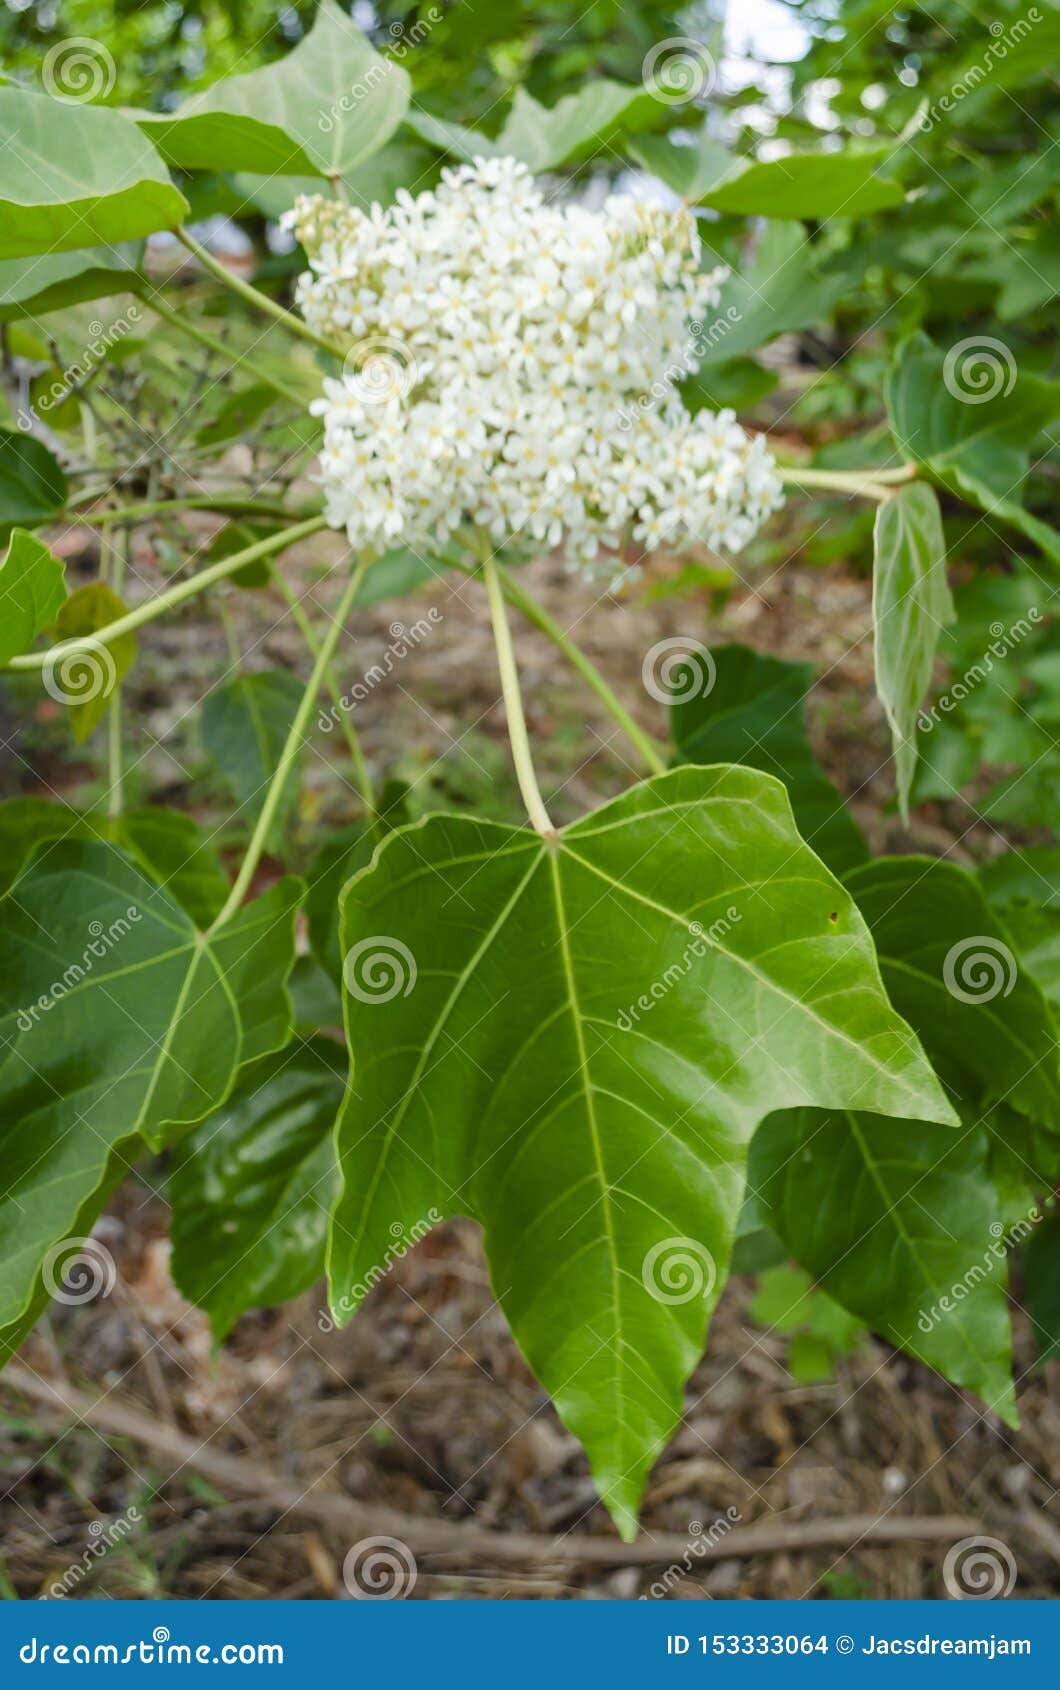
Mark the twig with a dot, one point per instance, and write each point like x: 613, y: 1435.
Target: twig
x: 464, y: 1540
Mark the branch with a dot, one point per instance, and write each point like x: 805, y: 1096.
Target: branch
x: 162, y: 602
x: 465, y: 1541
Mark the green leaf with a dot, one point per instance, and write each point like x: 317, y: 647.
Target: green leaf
x: 31, y: 287
x: 237, y: 414
x: 396, y: 573
x: 780, y: 288
x: 166, y: 844
x: 732, y: 705
x: 86, y: 676
x: 32, y: 482
x: 911, y: 604
x: 948, y: 964
x: 690, y: 171
x: 32, y: 587
x: 73, y: 176
x: 499, y: 998
x: 375, y: 181
x: 341, y: 855
x: 244, y: 725
x: 1024, y: 887
x: 970, y: 418
x: 320, y: 110
x: 117, y: 1020
x: 544, y: 137
x: 889, y: 1216
x: 251, y: 1187
x: 1042, y: 1276
x: 807, y: 185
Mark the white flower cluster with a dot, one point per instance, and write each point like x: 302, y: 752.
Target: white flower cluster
x: 513, y: 365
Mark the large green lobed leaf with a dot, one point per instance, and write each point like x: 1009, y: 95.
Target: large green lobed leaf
x: 320, y: 110
x: 120, y: 1023
x: 507, y: 1063
x: 76, y: 176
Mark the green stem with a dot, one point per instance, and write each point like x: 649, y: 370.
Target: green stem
x: 176, y: 595
x: 253, y: 295
x: 353, y: 744
x: 539, y: 616
x: 165, y: 507
x: 116, y: 795
x: 213, y: 344
x: 513, y: 702
x: 869, y: 484
x: 292, y: 746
